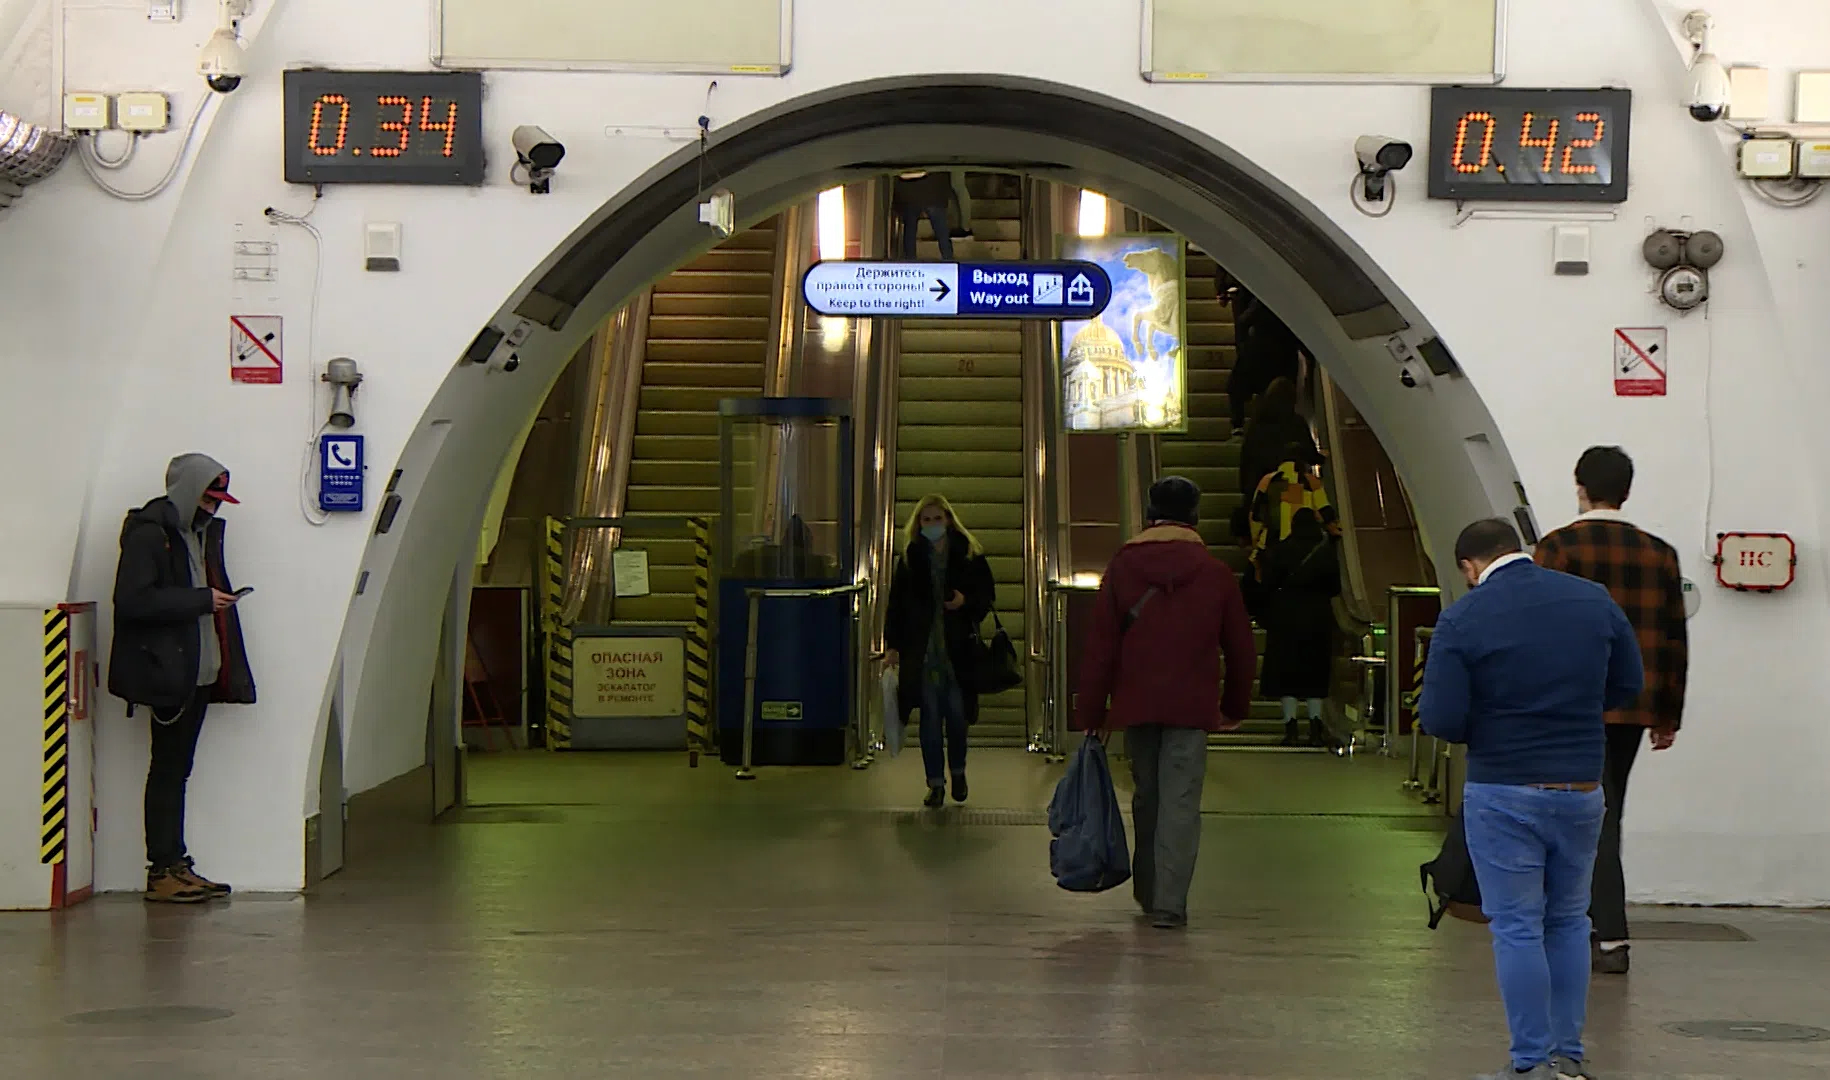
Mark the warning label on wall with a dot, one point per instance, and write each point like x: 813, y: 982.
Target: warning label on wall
x: 256, y: 346
x: 629, y: 677
x: 1640, y: 362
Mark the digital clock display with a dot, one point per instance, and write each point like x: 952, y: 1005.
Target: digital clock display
x: 374, y: 127
x: 1512, y: 145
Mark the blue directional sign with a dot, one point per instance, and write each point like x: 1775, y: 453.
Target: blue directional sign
x: 1011, y: 290
x: 340, y: 473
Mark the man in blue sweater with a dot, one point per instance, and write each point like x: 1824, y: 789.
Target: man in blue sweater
x: 1521, y: 671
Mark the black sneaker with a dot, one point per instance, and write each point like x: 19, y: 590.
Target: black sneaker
x: 1292, y: 734
x: 959, y: 787
x: 937, y: 798
x: 1611, y: 961
x: 1168, y: 920
x: 1568, y: 1069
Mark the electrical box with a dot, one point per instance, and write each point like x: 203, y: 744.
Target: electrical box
x: 1811, y: 104
x: 381, y: 246
x: 88, y: 112
x: 1766, y: 159
x: 144, y: 113
x: 1814, y: 160
x: 1749, y: 91
x: 1755, y: 562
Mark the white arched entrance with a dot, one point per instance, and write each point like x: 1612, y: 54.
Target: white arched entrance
x: 1441, y: 437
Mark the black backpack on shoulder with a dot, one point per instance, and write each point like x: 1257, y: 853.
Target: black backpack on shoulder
x: 1449, y: 882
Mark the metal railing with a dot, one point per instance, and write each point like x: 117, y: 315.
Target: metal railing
x: 1441, y: 754
x: 1054, y: 738
x: 754, y: 599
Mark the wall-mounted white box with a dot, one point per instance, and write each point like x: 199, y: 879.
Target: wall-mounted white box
x: 1814, y: 159
x: 1750, y: 93
x: 1766, y: 159
x: 88, y: 112
x: 1812, y: 99
x: 145, y: 113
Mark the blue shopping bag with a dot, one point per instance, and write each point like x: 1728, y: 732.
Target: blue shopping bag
x: 1088, y: 852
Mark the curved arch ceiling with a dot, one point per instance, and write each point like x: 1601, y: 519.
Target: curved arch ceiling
x: 876, y: 121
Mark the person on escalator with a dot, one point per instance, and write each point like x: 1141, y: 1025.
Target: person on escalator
x: 1276, y: 426
x: 922, y: 193
x: 940, y: 593
x: 1302, y: 576
x: 1265, y: 350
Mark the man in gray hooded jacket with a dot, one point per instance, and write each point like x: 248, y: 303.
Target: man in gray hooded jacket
x: 177, y: 650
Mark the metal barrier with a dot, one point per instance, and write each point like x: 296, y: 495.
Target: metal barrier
x: 1440, y: 752
x: 699, y: 630
x: 1061, y: 691
x: 754, y: 598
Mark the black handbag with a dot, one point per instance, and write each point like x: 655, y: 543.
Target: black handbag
x: 997, y: 666
x: 1450, y: 878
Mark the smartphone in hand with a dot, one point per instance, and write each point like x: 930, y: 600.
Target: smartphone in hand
x: 243, y: 591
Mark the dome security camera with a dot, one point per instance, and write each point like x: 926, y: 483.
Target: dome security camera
x: 1707, y: 93
x: 220, y: 64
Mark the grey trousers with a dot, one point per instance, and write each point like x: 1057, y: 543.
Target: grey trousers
x: 1169, y: 767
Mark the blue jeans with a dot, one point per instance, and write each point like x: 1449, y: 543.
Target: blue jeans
x: 1534, y: 854
x: 911, y: 230
x: 943, y: 714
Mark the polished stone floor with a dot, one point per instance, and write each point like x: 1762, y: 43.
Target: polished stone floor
x: 620, y: 916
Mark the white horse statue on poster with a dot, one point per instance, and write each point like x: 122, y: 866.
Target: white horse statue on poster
x: 1164, y: 272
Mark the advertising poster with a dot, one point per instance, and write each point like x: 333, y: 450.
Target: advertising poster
x: 1126, y: 371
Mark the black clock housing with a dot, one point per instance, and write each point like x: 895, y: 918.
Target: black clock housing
x: 1503, y: 144
x: 384, y: 127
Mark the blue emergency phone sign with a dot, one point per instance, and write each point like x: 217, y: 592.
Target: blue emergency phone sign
x: 1071, y: 290
x: 340, y: 473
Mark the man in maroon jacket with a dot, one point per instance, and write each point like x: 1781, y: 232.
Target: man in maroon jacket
x: 1167, y: 612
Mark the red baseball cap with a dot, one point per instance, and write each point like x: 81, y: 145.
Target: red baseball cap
x: 219, y: 490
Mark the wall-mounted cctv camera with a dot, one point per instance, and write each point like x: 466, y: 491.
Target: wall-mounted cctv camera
x: 1379, y: 157
x: 222, y: 63
x: 1707, y: 93
x: 498, y: 349
x: 720, y: 212
x: 539, y: 154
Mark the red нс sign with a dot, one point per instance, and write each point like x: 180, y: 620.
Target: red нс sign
x: 1755, y: 562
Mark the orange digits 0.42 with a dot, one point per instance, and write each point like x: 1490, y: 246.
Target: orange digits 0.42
x: 1485, y: 119
x: 1601, y: 129
x: 1548, y: 142
x: 317, y: 124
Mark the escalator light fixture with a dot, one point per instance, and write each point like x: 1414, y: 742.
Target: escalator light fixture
x: 1086, y: 581
x: 1092, y: 214
x: 832, y: 224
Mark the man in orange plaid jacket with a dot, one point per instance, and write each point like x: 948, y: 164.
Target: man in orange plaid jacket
x: 1641, y: 572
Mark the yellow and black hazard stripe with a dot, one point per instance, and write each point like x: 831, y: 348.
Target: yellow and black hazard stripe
x: 699, y: 647
x: 53, y: 840
x: 559, y: 640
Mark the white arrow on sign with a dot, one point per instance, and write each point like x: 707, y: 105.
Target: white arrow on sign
x: 865, y: 289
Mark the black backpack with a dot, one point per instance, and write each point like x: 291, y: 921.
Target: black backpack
x: 1449, y: 882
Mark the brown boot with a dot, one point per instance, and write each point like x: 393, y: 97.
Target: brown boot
x: 188, y: 873
x: 166, y: 887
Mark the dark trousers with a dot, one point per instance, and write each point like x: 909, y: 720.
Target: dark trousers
x: 1608, y: 907
x: 1169, y: 769
x: 174, y: 747
x: 943, y: 733
x: 911, y: 230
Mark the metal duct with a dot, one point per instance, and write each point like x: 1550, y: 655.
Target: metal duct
x: 28, y: 154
